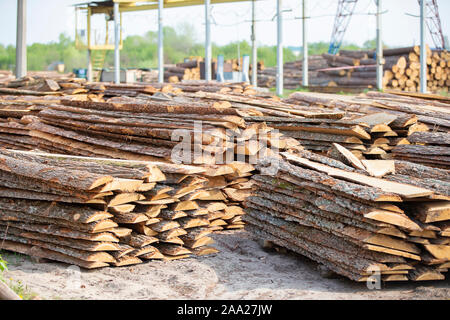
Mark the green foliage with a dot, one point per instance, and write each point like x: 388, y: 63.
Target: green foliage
x: 141, y: 51
x: 3, y: 265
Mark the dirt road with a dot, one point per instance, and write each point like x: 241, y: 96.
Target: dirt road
x: 242, y: 270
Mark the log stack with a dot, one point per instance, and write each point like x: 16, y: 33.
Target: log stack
x: 353, y: 223
x: 402, y: 70
x: 190, y: 69
x: 350, y: 70
x: 95, y: 212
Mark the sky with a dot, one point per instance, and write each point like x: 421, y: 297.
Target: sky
x: 48, y: 18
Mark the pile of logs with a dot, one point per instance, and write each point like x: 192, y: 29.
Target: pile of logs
x: 95, y: 212
x: 357, y: 69
x: 190, y: 70
x: 354, y: 224
x: 293, y: 74
x: 402, y: 69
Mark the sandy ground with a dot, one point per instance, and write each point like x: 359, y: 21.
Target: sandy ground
x: 242, y: 270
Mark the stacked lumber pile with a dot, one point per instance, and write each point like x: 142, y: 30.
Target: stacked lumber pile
x: 6, y: 75
x: 357, y: 69
x: 351, y: 222
x: 95, y: 212
x: 37, y: 85
x: 142, y: 128
x: 376, y: 125
x: 431, y: 148
x: 29, y: 86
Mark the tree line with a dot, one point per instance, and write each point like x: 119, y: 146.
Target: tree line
x: 141, y: 51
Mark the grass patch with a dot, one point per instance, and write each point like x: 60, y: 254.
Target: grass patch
x: 17, y: 286
x: 444, y: 93
x: 287, y: 92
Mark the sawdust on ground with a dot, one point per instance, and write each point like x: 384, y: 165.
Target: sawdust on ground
x: 242, y: 270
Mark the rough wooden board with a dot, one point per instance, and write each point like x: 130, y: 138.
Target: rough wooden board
x: 172, y: 249
x: 63, y: 231
x: 393, y: 252
x: 390, y: 242
x: 425, y: 274
x: 122, y: 208
x: 201, y: 251
x: 192, y: 244
x: 71, y: 178
x: 130, y: 218
x: 439, y: 251
x: 173, y: 240
x: 185, y: 205
x: 172, y: 233
x: 124, y: 185
x: 123, y: 198
x: 404, y: 190
x: 126, y: 261
x: 434, y: 211
x: 120, y: 231
x: 154, y: 255
x: 164, y: 226
x: 379, y: 168
x: 376, y: 118
x: 348, y: 157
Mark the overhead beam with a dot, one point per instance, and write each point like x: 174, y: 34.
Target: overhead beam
x: 167, y: 4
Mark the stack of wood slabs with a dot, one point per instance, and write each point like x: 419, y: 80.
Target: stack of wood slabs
x: 192, y: 132
x: 95, y: 212
x: 389, y: 119
x: 13, y: 133
x: 431, y: 148
x: 354, y: 224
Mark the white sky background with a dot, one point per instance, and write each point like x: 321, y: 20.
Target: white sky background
x: 48, y: 18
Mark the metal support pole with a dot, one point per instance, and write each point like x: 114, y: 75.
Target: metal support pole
x: 89, y: 75
x: 160, y: 42
x: 305, y: 46
x: 207, y: 40
x: 116, y: 43
x: 279, y: 49
x: 254, y: 49
x: 21, y: 39
x: 379, y: 48
x: 423, y: 51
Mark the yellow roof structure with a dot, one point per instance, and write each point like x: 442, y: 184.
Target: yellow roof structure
x: 142, y: 5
